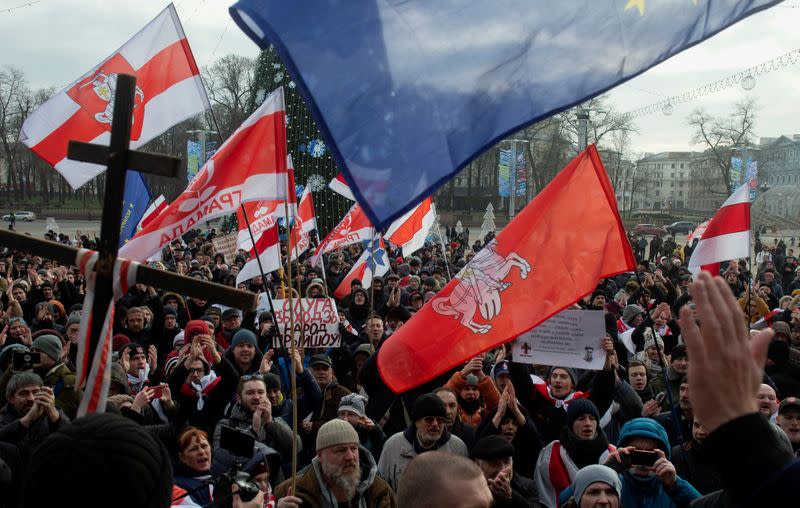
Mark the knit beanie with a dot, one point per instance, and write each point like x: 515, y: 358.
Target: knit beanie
x: 71, y: 455
x: 649, y: 341
x: 679, y: 351
x: 196, y: 327
x: 336, y: 432
x: 569, y: 370
x: 428, y: 405
x: 630, y: 312
x: 73, y: 319
x: 119, y: 341
x: 592, y: 474
x: 244, y: 336
x: 353, y: 402
x: 578, y: 407
x: 272, y: 381
x: 49, y: 345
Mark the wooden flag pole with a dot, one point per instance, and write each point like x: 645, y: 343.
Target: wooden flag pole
x: 292, y: 347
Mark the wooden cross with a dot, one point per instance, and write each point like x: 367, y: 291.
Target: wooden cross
x: 118, y: 157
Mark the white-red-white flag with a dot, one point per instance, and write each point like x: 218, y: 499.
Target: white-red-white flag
x: 268, y: 250
x: 410, y: 230
x: 153, y: 211
x: 727, y: 235
x: 249, y: 166
x: 168, y: 91
x: 260, y: 215
x: 304, y: 223
x: 339, y: 185
x: 355, y: 227
x: 305, y: 211
x: 697, y: 233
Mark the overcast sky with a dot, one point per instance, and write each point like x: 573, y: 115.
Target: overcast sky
x: 55, y: 41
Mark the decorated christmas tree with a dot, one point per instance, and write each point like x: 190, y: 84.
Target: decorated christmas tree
x: 488, y: 221
x: 314, y: 166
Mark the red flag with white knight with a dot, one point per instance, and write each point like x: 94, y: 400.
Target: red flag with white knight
x: 355, y: 227
x: 250, y: 165
x: 727, y: 235
x: 410, y: 230
x: 552, y: 254
x: 168, y: 91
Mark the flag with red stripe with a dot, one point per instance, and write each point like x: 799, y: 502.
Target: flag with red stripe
x: 374, y: 262
x: 260, y: 215
x: 410, y: 230
x: 727, y: 235
x: 305, y: 212
x: 355, y: 227
x: 267, y: 250
x: 339, y: 185
x: 697, y: 233
x: 168, y: 91
x: 304, y: 222
x: 251, y: 165
x: 155, y: 208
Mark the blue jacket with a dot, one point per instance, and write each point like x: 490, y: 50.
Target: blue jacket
x: 649, y: 492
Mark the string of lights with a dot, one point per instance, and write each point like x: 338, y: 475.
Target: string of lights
x: 746, y: 79
x: 20, y: 6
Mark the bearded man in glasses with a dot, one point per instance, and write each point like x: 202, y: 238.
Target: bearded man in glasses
x: 427, y: 432
x: 252, y: 413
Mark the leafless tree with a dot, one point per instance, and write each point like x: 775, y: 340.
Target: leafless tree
x: 229, y: 82
x: 719, y: 136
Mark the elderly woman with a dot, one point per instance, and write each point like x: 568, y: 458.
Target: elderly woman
x: 193, y: 467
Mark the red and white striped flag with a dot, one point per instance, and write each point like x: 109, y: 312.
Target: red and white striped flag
x: 304, y: 223
x: 698, y: 232
x: 168, y: 91
x: 355, y: 227
x: 410, y: 230
x: 98, y: 379
x: 268, y: 250
x: 339, y: 185
x: 374, y: 262
x: 260, y: 215
x: 306, y: 212
x: 249, y: 166
x: 155, y: 208
x: 727, y: 235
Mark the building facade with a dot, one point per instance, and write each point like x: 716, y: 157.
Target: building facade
x: 661, y: 182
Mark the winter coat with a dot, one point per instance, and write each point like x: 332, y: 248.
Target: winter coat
x: 215, y: 396
x: 276, y: 434
x: 693, y: 463
x: 527, y: 443
x: 402, y: 447
x: 12, y: 431
x: 372, y: 491
x: 62, y: 381
x: 489, y: 394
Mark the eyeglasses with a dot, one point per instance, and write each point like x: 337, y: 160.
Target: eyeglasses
x: 257, y: 377
x: 196, y: 370
x: 430, y: 420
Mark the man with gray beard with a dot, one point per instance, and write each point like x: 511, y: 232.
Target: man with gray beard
x: 343, y: 474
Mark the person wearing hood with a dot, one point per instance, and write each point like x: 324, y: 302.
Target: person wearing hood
x: 547, y: 400
x: 264, y: 468
x: 341, y: 474
x: 252, y: 414
x: 581, y: 443
x: 427, y: 432
x: 44, y: 318
x: 656, y: 485
x: 358, y: 311
x: 477, y: 393
x: 281, y: 402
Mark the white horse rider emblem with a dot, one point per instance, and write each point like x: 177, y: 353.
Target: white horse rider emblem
x: 479, y: 286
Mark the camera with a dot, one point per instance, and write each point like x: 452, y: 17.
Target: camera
x: 24, y: 360
x: 239, y: 445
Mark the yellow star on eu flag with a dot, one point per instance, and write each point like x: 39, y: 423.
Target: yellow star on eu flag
x: 635, y: 4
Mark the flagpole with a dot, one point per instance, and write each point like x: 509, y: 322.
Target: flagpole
x: 374, y: 271
x: 261, y: 269
x: 292, y: 347
x: 444, y: 248
x: 322, y: 264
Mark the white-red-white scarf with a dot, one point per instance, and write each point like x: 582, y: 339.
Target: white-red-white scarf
x: 95, y: 381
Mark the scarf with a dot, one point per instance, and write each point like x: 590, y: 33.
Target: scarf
x: 137, y: 382
x: 584, y: 451
x: 411, y: 436
x: 544, y: 390
x: 327, y: 499
x: 201, y: 390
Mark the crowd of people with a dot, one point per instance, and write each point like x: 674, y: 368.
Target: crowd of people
x: 679, y: 415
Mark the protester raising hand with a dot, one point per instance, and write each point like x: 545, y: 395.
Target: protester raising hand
x: 720, y: 348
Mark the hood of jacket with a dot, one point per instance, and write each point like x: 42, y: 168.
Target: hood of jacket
x: 369, y: 469
x: 645, y: 427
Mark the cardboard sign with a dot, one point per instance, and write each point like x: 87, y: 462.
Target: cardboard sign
x: 226, y: 245
x: 319, y: 326
x: 571, y: 338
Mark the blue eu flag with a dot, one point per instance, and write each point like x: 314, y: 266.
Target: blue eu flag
x: 134, y: 204
x: 408, y: 92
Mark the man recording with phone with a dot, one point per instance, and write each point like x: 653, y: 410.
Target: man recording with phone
x: 30, y: 414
